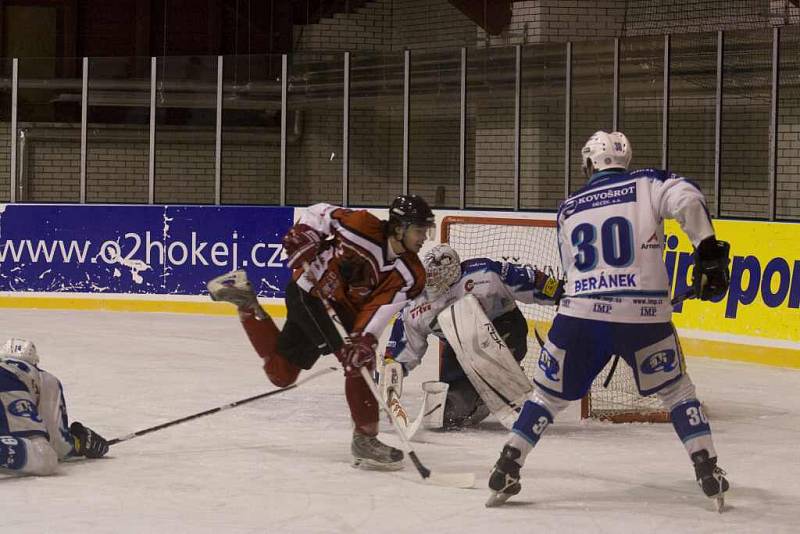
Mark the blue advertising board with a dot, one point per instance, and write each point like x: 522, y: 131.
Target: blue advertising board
x: 140, y: 249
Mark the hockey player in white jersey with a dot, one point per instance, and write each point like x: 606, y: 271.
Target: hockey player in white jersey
x: 497, y: 287
x: 611, y: 235
x: 34, y: 435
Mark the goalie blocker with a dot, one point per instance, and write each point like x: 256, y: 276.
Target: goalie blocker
x: 486, y: 360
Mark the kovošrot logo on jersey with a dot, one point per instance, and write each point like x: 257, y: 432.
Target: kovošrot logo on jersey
x: 599, y: 198
x: 751, y: 278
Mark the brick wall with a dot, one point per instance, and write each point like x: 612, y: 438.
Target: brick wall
x: 5, y: 163
x: 434, y: 31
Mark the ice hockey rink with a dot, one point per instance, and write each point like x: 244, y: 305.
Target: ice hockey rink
x: 282, y: 464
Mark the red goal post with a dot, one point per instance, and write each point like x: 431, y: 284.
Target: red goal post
x: 533, y: 241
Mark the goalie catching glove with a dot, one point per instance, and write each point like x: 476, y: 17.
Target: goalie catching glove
x: 301, y: 244
x: 87, y: 442
x: 711, y: 276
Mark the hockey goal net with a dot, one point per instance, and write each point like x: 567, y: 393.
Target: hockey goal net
x: 533, y: 241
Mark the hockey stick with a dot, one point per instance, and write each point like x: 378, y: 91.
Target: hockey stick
x: 458, y: 480
x: 138, y: 433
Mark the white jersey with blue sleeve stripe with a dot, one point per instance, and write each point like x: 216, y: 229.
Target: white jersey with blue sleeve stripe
x: 496, y: 285
x: 611, y: 240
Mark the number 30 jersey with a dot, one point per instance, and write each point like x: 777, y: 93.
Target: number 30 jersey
x: 611, y: 240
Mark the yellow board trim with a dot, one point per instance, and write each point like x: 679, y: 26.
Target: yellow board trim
x: 131, y: 305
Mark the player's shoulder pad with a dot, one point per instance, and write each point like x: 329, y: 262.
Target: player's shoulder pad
x: 360, y: 222
x: 475, y: 265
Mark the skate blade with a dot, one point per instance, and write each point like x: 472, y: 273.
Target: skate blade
x: 372, y: 465
x: 719, y: 503
x: 497, y: 499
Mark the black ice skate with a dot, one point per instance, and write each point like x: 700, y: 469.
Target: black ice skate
x: 370, y: 453
x: 710, y: 478
x: 234, y: 287
x: 504, y: 479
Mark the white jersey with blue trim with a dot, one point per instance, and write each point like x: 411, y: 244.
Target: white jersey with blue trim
x: 45, y: 390
x: 496, y: 285
x: 611, y: 240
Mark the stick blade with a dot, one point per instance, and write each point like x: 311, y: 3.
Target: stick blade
x: 497, y: 499
x: 452, y: 480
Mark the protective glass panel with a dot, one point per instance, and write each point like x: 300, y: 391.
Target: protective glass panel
x: 746, y: 103
x: 641, y: 98
x: 5, y: 132
x: 314, y: 159
x: 118, y: 133
x: 491, y: 87
x: 435, y: 127
x: 186, y: 117
x: 376, y: 128
x: 692, y: 109
x: 543, y: 126
x: 251, y: 130
x: 592, y: 106
x: 788, y: 149
x: 49, y: 130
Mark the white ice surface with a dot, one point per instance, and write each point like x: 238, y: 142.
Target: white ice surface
x: 283, y: 464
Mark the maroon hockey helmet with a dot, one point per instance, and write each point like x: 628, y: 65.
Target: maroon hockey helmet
x: 411, y: 209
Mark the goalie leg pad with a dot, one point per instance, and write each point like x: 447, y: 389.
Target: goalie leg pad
x: 435, y: 396
x: 484, y: 357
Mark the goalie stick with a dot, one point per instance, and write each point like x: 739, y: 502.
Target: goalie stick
x: 228, y: 406
x: 455, y: 480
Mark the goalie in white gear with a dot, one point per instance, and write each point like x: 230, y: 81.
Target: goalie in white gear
x: 497, y: 286
x: 617, y: 302
x: 34, y: 435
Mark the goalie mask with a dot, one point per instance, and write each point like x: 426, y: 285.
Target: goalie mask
x: 20, y: 349
x: 442, y: 268
x: 606, y: 151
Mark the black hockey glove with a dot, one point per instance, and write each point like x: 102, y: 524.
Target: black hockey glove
x: 711, y: 274
x: 87, y: 442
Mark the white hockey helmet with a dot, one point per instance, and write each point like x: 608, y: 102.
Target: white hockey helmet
x: 20, y: 349
x: 442, y: 268
x: 606, y: 151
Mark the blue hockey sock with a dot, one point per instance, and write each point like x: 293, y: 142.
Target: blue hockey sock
x: 13, y: 454
x: 533, y: 420
x: 692, y: 427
